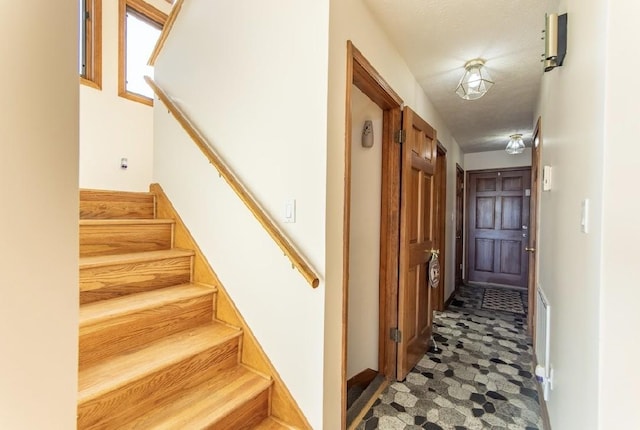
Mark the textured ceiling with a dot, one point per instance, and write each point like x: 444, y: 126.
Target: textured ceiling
x: 437, y: 37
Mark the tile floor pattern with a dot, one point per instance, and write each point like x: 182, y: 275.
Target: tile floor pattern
x: 479, y: 378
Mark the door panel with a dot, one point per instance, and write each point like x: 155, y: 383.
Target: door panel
x: 498, y: 226
x: 416, y: 240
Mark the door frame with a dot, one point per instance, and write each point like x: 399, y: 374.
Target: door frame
x: 459, y: 217
x: 534, y: 204
x: 441, y: 226
x: 467, y: 220
x: 365, y: 77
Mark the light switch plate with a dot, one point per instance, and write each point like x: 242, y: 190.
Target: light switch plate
x: 290, y: 211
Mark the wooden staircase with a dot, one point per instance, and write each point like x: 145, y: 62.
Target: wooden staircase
x: 152, y: 354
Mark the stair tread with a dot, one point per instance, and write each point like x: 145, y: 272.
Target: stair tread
x: 116, y: 372
x: 133, y: 257
x: 271, y: 424
x: 97, y: 194
x: 207, y: 403
x: 125, y: 221
x: 96, y: 312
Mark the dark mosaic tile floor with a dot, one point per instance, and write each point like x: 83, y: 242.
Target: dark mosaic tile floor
x: 479, y: 378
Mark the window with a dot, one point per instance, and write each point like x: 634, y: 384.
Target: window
x: 90, y: 42
x: 140, y: 27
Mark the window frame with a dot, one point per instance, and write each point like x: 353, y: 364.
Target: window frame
x: 149, y: 12
x: 93, y: 45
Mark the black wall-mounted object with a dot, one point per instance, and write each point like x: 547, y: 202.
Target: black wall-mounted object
x: 555, y: 41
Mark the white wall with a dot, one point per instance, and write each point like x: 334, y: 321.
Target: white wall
x: 39, y: 176
x: 351, y: 20
x: 620, y: 319
x: 496, y: 160
x: 112, y: 127
x: 364, y: 247
x: 253, y: 77
x: 570, y: 261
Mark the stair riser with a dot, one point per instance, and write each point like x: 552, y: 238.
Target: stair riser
x: 246, y: 416
x: 106, y: 282
x: 125, y: 238
x: 108, y: 338
x: 95, y: 204
x: 119, y: 406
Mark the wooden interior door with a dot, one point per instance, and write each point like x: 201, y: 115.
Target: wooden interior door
x: 417, y: 234
x: 459, y: 223
x: 498, y: 203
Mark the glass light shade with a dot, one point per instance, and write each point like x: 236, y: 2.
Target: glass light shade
x: 515, y: 145
x: 475, y: 82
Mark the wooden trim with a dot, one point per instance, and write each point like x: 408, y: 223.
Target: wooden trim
x: 441, y: 220
x: 346, y: 237
x: 166, y: 30
x: 154, y: 15
x: 93, y: 30
x: 364, y: 76
x: 369, y: 404
x: 534, y: 203
x: 283, y: 405
x: 447, y: 303
x: 241, y: 191
x: 462, y: 237
x: 363, y: 378
x: 370, y: 82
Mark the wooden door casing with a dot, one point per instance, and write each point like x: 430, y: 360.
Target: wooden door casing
x: 437, y: 294
x: 533, y: 228
x: 498, y: 203
x: 459, y: 224
x: 417, y: 236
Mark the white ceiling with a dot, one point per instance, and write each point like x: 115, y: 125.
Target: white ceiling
x: 437, y: 37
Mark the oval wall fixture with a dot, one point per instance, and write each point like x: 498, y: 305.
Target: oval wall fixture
x: 367, y: 134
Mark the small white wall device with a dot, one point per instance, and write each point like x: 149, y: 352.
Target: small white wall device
x: 546, y: 178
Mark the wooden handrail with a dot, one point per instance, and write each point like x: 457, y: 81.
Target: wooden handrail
x: 261, y: 215
x: 164, y: 34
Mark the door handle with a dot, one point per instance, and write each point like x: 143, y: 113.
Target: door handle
x: 458, y: 237
x: 530, y: 249
x: 432, y: 251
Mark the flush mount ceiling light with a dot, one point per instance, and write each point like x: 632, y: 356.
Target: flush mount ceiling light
x: 475, y: 82
x: 515, y: 145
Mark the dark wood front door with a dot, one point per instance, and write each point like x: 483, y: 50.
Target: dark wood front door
x: 417, y: 239
x: 459, y: 223
x: 498, y: 204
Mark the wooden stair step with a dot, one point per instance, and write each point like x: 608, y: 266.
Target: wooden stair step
x: 105, y: 204
x: 121, y: 388
x: 108, y: 237
x: 235, y: 399
x: 108, y: 276
x: 110, y: 327
x: 272, y: 424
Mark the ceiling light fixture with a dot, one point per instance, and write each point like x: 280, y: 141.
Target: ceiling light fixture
x: 475, y: 82
x: 515, y: 145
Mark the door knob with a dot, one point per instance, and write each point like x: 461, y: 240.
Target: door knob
x: 530, y: 249
x: 458, y: 237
